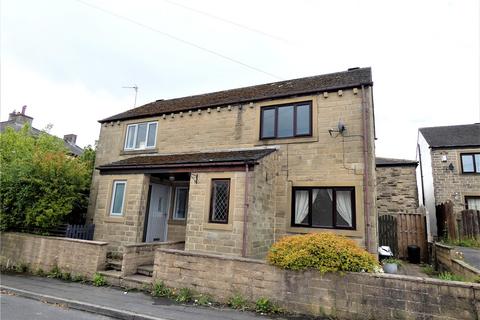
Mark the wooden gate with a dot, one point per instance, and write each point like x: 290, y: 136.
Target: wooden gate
x: 387, y: 232
x: 468, y: 223
x: 401, y: 230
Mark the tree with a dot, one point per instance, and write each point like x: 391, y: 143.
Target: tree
x: 40, y: 184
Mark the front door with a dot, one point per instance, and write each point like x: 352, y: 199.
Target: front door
x: 158, y: 213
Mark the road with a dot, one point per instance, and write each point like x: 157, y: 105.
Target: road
x: 470, y: 256
x: 18, y: 308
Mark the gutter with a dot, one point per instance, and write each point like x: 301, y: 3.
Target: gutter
x: 173, y: 165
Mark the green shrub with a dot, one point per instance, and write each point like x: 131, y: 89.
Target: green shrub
x: 203, y: 300
x: 99, y: 280
x: 161, y: 290
x: 398, y: 262
x: 429, y: 270
x: 264, y: 305
x: 55, y: 273
x: 448, y: 276
x: 466, y: 242
x: 39, y: 272
x: 21, y: 268
x: 184, y: 295
x: 238, y: 302
x: 67, y: 276
x: 326, y: 252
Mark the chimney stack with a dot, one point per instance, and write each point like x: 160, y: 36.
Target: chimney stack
x: 70, y: 138
x: 20, y: 117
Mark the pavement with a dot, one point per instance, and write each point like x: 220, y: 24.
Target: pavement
x: 114, y: 302
x: 470, y: 256
x: 14, y: 307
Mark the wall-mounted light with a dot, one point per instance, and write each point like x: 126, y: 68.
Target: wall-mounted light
x: 450, y: 167
x: 339, y: 130
x: 194, y: 177
x: 171, y: 178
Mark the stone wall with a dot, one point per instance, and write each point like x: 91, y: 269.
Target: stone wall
x: 396, y: 189
x: 446, y: 258
x: 453, y: 185
x: 348, y: 296
x: 81, y: 257
x: 139, y: 254
x: 321, y: 160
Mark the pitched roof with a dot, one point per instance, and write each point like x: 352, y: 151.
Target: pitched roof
x: 467, y: 135
x: 188, y: 159
x: 301, y: 86
x: 391, y: 162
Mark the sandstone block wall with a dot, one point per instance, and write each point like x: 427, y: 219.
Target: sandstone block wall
x: 447, y: 258
x: 396, y: 190
x: 348, y: 296
x: 70, y: 255
x: 453, y: 185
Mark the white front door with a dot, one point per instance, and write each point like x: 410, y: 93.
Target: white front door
x: 158, y: 213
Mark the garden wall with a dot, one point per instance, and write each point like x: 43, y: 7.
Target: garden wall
x: 447, y: 258
x: 352, y: 295
x: 76, y: 256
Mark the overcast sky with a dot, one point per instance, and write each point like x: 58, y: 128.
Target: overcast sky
x: 67, y: 60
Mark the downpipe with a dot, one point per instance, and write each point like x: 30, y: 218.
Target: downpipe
x: 366, y: 173
x: 245, y: 213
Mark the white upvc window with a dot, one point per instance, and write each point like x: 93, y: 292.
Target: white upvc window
x: 181, y: 203
x: 118, y: 198
x: 141, y: 136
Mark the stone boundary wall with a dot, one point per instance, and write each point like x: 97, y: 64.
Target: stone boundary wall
x: 80, y: 257
x: 135, y: 255
x: 447, y: 258
x: 348, y: 296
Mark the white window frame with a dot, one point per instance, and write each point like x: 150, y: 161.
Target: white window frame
x: 115, y: 183
x: 174, y: 217
x: 125, y: 147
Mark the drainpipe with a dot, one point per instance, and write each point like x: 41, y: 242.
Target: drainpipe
x: 245, y: 212
x: 366, y: 136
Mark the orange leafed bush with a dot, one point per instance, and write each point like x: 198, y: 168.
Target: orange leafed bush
x: 326, y: 252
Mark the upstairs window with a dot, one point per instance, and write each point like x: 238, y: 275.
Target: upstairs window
x: 323, y: 207
x: 286, y: 121
x: 141, y: 136
x: 471, y: 163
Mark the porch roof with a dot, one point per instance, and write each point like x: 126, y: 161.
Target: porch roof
x: 182, y: 160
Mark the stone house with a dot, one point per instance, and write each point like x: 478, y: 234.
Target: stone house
x: 396, y: 186
x: 449, y: 169
x: 17, y: 120
x: 231, y: 172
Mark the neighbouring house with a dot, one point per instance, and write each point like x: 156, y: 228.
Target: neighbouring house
x: 396, y: 186
x: 17, y: 120
x: 449, y: 169
x: 231, y: 172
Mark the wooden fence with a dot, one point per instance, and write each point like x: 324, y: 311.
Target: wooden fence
x: 401, y: 230
x: 468, y: 222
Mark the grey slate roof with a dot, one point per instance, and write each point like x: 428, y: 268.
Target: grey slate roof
x: 391, y: 162
x: 72, y: 148
x: 301, y: 86
x: 188, y: 159
x: 467, y: 135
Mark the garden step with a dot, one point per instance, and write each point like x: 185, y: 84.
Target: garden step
x: 114, y: 264
x: 146, y: 270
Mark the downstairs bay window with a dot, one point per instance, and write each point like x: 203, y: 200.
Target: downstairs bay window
x: 323, y: 207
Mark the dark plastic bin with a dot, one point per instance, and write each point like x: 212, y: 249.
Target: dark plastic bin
x: 413, y: 254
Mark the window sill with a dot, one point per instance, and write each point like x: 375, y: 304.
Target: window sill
x: 345, y: 232
x: 142, y: 151
x: 218, y: 226
x: 286, y: 140
x: 114, y: 219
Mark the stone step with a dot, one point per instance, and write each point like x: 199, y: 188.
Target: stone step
x: 146, y: 270
x: 114, y: 264
x: 136, y: 281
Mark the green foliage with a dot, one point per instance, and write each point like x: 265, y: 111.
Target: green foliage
x: 22, y: 268
x: 429, y: 270
x: 398, y: 262
x: 161, y: 290
x: 55, y: 273
x: 448, y: 276
x: 184, y: 295
x: 78, y: 278
x: 326, y: 252
x: 238, y: 302
x: 203, y: 300
x: 40, y: 183
x: 98, y: 280
x: 39, y: 272
x: 67, y: 276
x: 264, y: 305
x: 466, y: 242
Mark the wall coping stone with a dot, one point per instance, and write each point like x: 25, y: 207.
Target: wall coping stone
x: 372, y: 275
x: 91, y: 242
x: 151, y: 244
x: 467, y: 266
x: 445, y: 246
